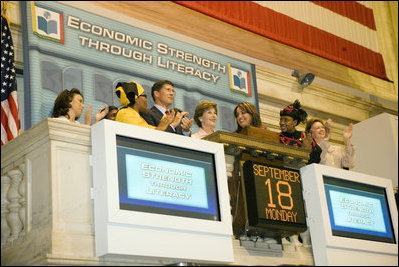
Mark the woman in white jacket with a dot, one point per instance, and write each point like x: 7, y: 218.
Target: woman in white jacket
x: 323, y: 152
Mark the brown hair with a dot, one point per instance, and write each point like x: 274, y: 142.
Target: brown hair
x: 158, y: 86
x: 62, y: 103
x: 201, y: 108
x: 249, y: 108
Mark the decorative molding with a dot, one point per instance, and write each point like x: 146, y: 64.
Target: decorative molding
x: 5, y: 228
x: 279, y: 89
x: 13, y: 219
x: 386, y: 18
x: 48, y: 129
x: 275, y: 91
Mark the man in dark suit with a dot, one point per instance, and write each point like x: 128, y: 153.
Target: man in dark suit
x: 163, y: 94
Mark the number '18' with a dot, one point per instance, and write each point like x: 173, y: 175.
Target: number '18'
x: 280, y: 194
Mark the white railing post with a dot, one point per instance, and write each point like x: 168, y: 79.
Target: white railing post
x: 22, y: 201
x: 13, y: 197
x: 5, y: 229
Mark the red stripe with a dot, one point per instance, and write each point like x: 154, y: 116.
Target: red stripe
x: 4, y: 118
x: 284, y: 29
x: 14, y: 112
x: 4, y: 122
x: 352, y: 10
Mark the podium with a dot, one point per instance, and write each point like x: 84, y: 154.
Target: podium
x: 47, y: 204
x: 264, y: 184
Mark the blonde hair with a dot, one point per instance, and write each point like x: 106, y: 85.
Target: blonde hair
x: 310, y: 123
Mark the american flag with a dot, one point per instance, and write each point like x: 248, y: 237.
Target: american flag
x: 341, y: 31
x: 10, y: 127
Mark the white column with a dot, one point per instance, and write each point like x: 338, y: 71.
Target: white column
x: 22, y: 200
x: 5, y: 229
x: 13, y: 197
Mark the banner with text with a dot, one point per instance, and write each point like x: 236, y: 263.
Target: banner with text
x: 72, y: 48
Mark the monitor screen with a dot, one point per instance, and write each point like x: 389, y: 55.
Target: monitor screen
x: 162, y: 179
x: 358, y: 210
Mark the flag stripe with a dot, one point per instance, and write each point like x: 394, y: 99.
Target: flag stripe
x: 287, y: 30
x: 9, y: 135
x: 4, y: 135
x: 321, y: 18
x: 351, y: 10
x: 13, y: 115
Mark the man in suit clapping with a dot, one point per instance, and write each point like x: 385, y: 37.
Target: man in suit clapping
x: 163, y: 94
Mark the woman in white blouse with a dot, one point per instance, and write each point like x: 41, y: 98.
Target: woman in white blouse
x: 327, y: 153
x: 68, y: 106
x: 205, y: 116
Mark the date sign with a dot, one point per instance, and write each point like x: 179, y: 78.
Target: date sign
x: 274, y: 202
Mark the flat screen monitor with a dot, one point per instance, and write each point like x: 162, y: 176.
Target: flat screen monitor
x: 164, y: 179
x: 358, y: 210
x: 352, y: 217
x: 159, y: 195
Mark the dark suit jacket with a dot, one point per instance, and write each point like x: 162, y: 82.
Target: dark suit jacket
x: 153, y: 116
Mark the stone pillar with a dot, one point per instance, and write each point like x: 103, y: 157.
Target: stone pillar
x: 13, y: 197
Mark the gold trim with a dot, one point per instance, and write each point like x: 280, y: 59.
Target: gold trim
x: 257, y: 144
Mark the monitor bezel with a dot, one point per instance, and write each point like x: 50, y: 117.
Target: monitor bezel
x: 117, y: 215
x: 318, y: 215
x: 118, y: 231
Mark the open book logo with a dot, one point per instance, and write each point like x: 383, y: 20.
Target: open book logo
x: 47, y: 23
x: 239, y: 80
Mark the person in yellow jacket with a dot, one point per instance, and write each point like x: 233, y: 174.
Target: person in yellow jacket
x: 132, y: 96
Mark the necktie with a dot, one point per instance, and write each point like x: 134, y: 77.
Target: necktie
x: 167, y: 112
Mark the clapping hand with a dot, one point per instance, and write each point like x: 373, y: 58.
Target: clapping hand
x: 178, y: 118
x: 166, y: 120
x: 88, y: 113
x: 101, y: 114
x: 186, y: 124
